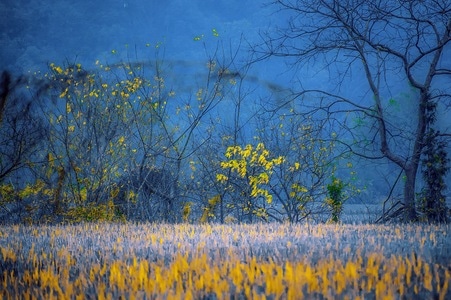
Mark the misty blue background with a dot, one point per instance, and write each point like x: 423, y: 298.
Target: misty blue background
x: 34, y: 33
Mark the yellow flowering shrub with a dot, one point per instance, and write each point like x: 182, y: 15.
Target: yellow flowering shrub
x: 255, y: 166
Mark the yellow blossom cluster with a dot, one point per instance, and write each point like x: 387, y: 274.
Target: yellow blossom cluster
x: 253, y: 164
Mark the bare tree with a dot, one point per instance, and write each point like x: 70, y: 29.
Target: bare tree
x: 20, y: 129
x: 21, y: 138
x: 299, y: 184
x: 381, y: 46
x: 148, y: 194
x: 5, y: 89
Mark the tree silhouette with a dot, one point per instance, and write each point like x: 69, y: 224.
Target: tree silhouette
x: 375, y: 47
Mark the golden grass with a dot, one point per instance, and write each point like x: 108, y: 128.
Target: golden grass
x: 262, y: 261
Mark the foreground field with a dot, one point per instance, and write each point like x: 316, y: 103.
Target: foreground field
x: 263, y: 261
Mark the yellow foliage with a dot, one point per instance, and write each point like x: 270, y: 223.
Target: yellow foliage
x: 64, y: 93
x: 92, y: 212
x: 252, y: 163
x: 132, y: 196
x: 32, y: 189
x: 186, y: 211
x: 7, y: 192
x: 114, y: 192
x: 55, y: 68
x: 208, y: 211
x: 214, y: 200
x: 83, y: 194
x: 222, y: 262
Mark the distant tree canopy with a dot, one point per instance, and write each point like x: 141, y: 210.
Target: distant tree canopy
x: 121, y: 142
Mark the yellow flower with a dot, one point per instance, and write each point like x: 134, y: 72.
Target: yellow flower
x: 221, y: 178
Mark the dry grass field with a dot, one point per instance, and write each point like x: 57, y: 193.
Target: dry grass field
x: 261, y: 261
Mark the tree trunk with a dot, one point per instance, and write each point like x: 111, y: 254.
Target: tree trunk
x: 4, y: 91
x: 410, y: 214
